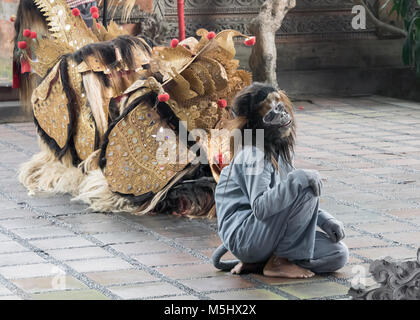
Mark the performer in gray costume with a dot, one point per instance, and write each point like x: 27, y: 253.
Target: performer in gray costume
x: 267, y: 211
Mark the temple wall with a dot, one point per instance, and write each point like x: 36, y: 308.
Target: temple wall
x: 318, y: 50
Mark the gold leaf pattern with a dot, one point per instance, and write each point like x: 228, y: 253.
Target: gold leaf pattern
x: 85, y: 130
x: 50, y: 107
x: 132, y: 166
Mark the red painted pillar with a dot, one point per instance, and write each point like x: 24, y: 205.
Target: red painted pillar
x: 181, y: 20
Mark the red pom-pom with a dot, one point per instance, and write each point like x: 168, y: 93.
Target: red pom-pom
x: 95, y: 15
x: 98, y: 25
x: 75, y: 12
x: 34, y: 35
x: 12, y: 18
x: 27, y: 33
x: 94, y: 9
x: 174, y: 43
x: 222, y: 103
x: 163, y: 97
x: 211, y: 35
x: 22, y: 45
x: 250, y: 42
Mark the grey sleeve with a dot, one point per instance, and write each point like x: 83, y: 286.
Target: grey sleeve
x: 323, y: 216
x: 266, y: 201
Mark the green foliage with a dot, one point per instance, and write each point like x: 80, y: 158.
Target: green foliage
x: 411, y: 47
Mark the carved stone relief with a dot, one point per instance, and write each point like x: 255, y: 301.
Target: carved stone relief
x: 397, y: 280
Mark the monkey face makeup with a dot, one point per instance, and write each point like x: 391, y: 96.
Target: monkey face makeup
x: 262, y: 106
x: 274, y: 112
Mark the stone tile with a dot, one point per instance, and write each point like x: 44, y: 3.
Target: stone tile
x: 191, y: 231
x: 209, y: 252
x: 351, y: 271
x: 405, y: 237
x: 405, y: 213
x: 315, y: 290
x: 159, y: 221
x: 273, y: 281
x: 149, y: 246
x: 108, y: 278
x: 102, y: 227
x: 107, y: 264
x: 218, y: 283
x: 163, y: 259
x: 187, y: 297
x: 123, y: 237
x: 9, y: 259
x: 146, y: 290
x: 6, y: 205
x: 79, y: 253
x: 191, y: 271
x: 354, y: 260
x: 70, y: 295
x: 258, y: 294
x: 12, y: 297
x: 357, y: 197
x: 63, y: 208
x: 4, y: 291
x: 387, y: 226
x: 379, y: 253
x: 3, y: 237
x: 61, y: 243
x: 201, y: 242
x: 23, y: 223
x: 11, y: 246
x: 364, y: 241
x: 45, y: 284
x: 30, y: 271
x: 360, y: 217
x: 15, y: 213
x: 42, y: 232
x: 87, y: 218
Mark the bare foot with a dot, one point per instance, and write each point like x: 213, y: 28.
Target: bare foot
x: 283, y: 268
x: 247, y: 268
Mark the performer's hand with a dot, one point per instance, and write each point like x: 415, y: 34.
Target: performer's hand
x: 315, y: 181
x: 335, y: 229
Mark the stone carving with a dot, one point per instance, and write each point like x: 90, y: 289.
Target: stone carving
x: 228, y: 6
x: 309, y: 19
x: 292, y: 25
x: 398, y: 280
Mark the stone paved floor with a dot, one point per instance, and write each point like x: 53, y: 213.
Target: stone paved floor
x: 367, y: 148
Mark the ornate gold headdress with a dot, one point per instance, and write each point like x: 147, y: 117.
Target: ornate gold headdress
x: 197, y: 79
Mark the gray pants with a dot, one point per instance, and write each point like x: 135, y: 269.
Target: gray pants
x: 291, y: 235
x: 328, y: 256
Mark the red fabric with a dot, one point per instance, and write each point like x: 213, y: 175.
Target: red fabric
x: 181, y: 20
x: 16, y: 77
x: 24, y: 66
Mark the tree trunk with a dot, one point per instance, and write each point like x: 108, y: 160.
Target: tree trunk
x: 263, y: 60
